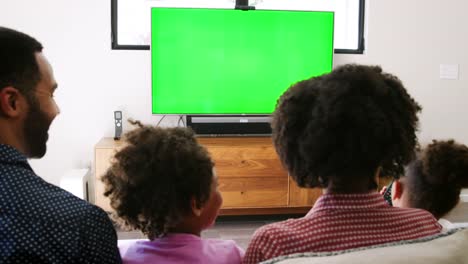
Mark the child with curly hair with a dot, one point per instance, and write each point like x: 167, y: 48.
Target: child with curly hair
x: 162, y: 182
x: 433, y: 181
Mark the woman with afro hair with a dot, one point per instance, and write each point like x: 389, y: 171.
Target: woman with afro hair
x: 339, y: 132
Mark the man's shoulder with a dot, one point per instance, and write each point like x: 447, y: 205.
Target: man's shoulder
x: 33, y: 197
x: 68, y: 205
x: 66, y: 229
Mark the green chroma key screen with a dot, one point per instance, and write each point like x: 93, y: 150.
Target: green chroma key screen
x: 221, y: 61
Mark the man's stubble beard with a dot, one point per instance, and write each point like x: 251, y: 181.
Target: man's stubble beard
x: 36, y: 130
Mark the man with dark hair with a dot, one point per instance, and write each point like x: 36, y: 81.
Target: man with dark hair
x: 39, y: 222
x: 338, y: 132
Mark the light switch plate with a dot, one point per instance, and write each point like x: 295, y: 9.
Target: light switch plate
x: 448, y: 71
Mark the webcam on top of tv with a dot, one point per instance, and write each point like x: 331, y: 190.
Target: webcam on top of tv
x: 244, y: 5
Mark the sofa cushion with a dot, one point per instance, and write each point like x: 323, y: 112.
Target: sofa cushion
x: 450, y: 247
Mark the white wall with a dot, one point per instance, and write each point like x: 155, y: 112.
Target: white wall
x: 408, y: 38
x: 411, y: 39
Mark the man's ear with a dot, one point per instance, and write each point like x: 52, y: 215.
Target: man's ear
x: 11, y: 102
x: 196, y: 210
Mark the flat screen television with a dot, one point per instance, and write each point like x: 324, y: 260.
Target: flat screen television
x: 234, y: 62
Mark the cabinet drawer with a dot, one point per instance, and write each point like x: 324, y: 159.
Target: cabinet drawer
x: 244, y: 157
x: 254, y: 192
x: 246, y: 161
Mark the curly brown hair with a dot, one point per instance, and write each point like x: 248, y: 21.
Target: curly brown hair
x: 342, y: 126
x: 435, y: 178
x: 154, y: 177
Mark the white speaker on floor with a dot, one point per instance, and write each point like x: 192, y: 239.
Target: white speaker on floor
x: 75, y: 181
